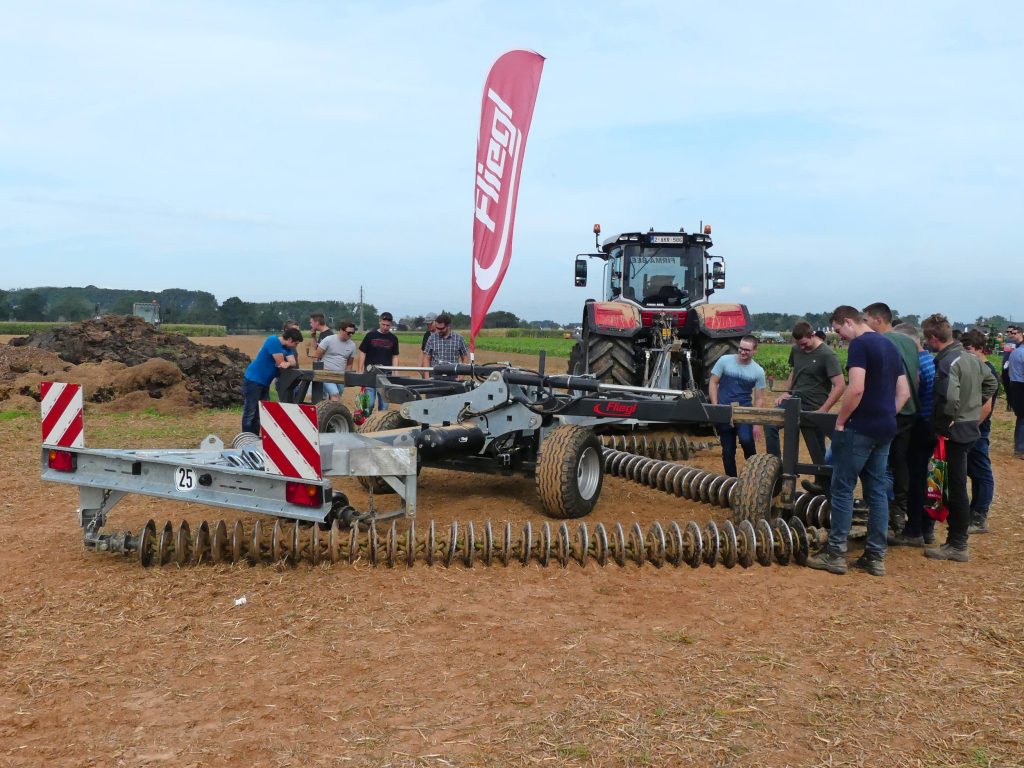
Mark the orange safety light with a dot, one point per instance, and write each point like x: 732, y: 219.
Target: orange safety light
x: 597, y: 229
x: 707, y: 229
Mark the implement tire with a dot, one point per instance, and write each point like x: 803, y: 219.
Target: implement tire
x: 613, y: 360
x: 381, y: 421
x: 570, y: 472
x: 753, y: 494
x: 332, y: 416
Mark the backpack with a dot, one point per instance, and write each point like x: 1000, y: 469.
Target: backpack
x: 937, y: 497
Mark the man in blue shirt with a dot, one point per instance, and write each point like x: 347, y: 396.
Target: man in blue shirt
x: 865, y: 426
x: 273, y: 355
x: 733, y: 380
x: 1015, y: 392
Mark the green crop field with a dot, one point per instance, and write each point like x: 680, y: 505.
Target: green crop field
x: 516, y: 345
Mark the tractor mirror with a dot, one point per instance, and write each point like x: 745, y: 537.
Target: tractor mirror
x: 718, y: 271
x: 581, y: 272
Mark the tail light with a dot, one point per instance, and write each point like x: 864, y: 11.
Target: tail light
x: 62, y: 461
x: 304, y: 495
x: 647, y: 318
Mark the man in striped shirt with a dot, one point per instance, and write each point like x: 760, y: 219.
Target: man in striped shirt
x: 443, y: 346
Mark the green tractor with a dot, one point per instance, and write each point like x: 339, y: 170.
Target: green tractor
x: 654, y: 326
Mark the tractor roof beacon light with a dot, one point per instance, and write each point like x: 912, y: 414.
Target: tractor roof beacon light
x: 707, y: 229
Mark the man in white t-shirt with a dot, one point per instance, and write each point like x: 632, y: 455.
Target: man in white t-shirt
x: 338, y: 352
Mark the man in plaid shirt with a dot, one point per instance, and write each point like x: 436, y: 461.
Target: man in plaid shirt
x: 444, y: 346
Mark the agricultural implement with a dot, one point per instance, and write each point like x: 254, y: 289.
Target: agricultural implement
x: 565, y: 432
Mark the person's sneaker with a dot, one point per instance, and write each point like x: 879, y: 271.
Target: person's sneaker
x: 812, y: 488
x: 873, y: 565
x: 826, y: 561
x: 902, y: 540
x: 948, y: 552
x: 978, y: 526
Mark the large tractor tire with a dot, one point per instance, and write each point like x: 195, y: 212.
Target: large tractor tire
x: 611, y: 359
x: 757, y: 486
x: 381, y: 421
x: 332, y: 416
x: 570, y: 472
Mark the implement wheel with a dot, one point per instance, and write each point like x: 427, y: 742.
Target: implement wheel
x: 570, y: 472
x: 332, y: 416
x: 381, y: 421
x: 756, y: 487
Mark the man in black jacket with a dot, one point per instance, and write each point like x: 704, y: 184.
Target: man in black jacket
x: 962, y: 385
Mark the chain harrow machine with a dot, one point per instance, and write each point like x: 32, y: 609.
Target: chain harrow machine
x: 565, y: 432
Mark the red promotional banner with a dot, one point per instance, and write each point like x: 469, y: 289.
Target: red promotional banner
x: 509, y: 97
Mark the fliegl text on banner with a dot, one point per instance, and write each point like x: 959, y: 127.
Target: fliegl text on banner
x: 510, y: 94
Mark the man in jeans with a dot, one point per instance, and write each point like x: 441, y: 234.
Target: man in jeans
x: 979, y: 464
x: 962, y: 385
x: 816, y: 377
x: 865, y: 426
x: 733, y: 381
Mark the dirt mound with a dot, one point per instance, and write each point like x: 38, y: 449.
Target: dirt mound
x: 127, y: 362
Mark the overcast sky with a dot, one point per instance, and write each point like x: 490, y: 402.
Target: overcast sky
x: 843, y: 153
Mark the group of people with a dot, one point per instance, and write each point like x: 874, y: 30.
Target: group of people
x: 906, y: 388
x: 339, y: 353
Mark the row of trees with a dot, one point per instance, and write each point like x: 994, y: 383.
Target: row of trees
x: 201, y: 308
x: 178, y: 305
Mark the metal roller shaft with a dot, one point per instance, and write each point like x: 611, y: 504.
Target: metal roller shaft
x: 468, y: 544
x: 678, y: 479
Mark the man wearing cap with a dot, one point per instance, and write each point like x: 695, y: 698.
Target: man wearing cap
x: 378, y: 347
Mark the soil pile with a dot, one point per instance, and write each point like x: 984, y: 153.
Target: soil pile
x: 125, y: 361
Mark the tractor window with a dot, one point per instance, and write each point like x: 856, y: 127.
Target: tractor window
x: 614, y: 273
x: 663, y: 276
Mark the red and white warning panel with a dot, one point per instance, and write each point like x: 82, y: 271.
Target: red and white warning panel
x: 61, y: 407
x: 291, y: 440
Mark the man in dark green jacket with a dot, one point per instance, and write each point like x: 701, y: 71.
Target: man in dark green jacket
x: 962, y: 385
x: 878, y: 316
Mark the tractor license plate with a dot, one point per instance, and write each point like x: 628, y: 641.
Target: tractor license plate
x: 185, y: 479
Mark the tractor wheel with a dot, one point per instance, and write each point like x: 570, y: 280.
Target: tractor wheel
x: 570, y: 472
x: 713, y: 350
x: 753, y: 494
x: 332, y: 416
x: 613, y: 360
x: 577, y: 362
x: 381, y: 421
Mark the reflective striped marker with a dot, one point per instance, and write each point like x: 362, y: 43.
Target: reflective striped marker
x: 291, y: 440
x: 61, y: 410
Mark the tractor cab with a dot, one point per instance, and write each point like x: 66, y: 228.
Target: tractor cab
x: 666, y: 271
x: 653, y: 325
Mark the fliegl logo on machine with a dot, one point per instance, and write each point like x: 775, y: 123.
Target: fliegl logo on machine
x: 615, y: 409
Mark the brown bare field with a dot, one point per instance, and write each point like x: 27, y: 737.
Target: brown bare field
x: 104, y: 663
